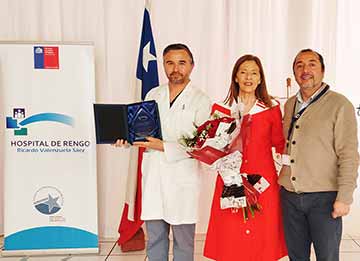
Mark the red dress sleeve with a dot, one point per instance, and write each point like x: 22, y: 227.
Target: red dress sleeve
x: 277, y: 136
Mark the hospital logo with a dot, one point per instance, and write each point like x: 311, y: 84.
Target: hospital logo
x: 48, y: 200
x: 19, y: 122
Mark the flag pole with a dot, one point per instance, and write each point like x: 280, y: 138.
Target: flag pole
x: 131, y: 234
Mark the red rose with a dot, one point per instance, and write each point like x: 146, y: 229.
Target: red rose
x: 208, y: 130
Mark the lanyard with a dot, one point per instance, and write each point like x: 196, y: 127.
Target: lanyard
x: 298, y: 115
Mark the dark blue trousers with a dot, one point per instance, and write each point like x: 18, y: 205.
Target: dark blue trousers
x: 307, y: 219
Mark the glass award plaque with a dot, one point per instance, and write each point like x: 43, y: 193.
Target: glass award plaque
x: 131, y: 122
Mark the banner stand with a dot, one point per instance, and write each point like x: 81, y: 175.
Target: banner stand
x: 47, y: 91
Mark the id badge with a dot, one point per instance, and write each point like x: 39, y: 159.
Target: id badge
x: 285, y: 159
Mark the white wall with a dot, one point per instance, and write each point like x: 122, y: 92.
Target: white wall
x: 347, y: 71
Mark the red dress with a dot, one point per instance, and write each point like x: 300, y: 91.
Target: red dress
x: 261, y: 238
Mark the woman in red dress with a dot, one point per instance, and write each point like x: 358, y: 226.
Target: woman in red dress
x: 260, y: 238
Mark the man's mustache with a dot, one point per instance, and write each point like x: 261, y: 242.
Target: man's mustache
x: 305, y: 76
x: 175, y: 74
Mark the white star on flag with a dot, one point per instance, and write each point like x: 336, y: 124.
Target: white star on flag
x: 147, y: 56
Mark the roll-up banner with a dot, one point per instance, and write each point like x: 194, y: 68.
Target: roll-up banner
x: 49, y: 151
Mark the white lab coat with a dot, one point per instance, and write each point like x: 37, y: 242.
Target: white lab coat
x: 171, y: 181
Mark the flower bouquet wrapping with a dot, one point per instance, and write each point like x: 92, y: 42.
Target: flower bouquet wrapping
x: 218, y: 143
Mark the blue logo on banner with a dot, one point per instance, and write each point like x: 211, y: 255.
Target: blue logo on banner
x: 48, y: 200
x: 18, y: 121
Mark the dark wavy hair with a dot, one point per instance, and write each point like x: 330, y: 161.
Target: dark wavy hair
x: 260, y: 92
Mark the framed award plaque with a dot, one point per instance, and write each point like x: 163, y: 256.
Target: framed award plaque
x: 131, y: 122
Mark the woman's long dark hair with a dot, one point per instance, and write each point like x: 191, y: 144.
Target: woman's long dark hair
x: 260, y: 92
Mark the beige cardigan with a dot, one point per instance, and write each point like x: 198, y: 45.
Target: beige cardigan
x: 323, y: 148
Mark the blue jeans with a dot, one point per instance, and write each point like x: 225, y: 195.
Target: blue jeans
x: 158, y: 243
x: 307, y: 219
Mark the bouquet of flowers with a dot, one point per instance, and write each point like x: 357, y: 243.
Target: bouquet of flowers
x: 218, y: 143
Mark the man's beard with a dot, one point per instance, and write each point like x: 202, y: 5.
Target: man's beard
x: 310, y: 83
x: 176, y: 78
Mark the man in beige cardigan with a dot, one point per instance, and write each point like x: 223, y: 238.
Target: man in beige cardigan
x: 320, y: 164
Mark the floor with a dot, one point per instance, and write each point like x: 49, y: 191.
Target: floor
x: 350, y: 251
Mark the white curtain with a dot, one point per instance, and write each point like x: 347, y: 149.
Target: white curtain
x: 217, y: 31
x: 347, y: 68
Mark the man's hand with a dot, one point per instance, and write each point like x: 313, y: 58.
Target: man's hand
x: 340, y: 209
x: 121, y: 143
x: 151, y: 143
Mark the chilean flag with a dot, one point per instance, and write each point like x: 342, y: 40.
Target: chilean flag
x: 147, y: 74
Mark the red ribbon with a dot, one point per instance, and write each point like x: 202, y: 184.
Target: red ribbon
x: 251, y: 193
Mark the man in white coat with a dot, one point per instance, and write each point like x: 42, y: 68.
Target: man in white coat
x: 170, y: 182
